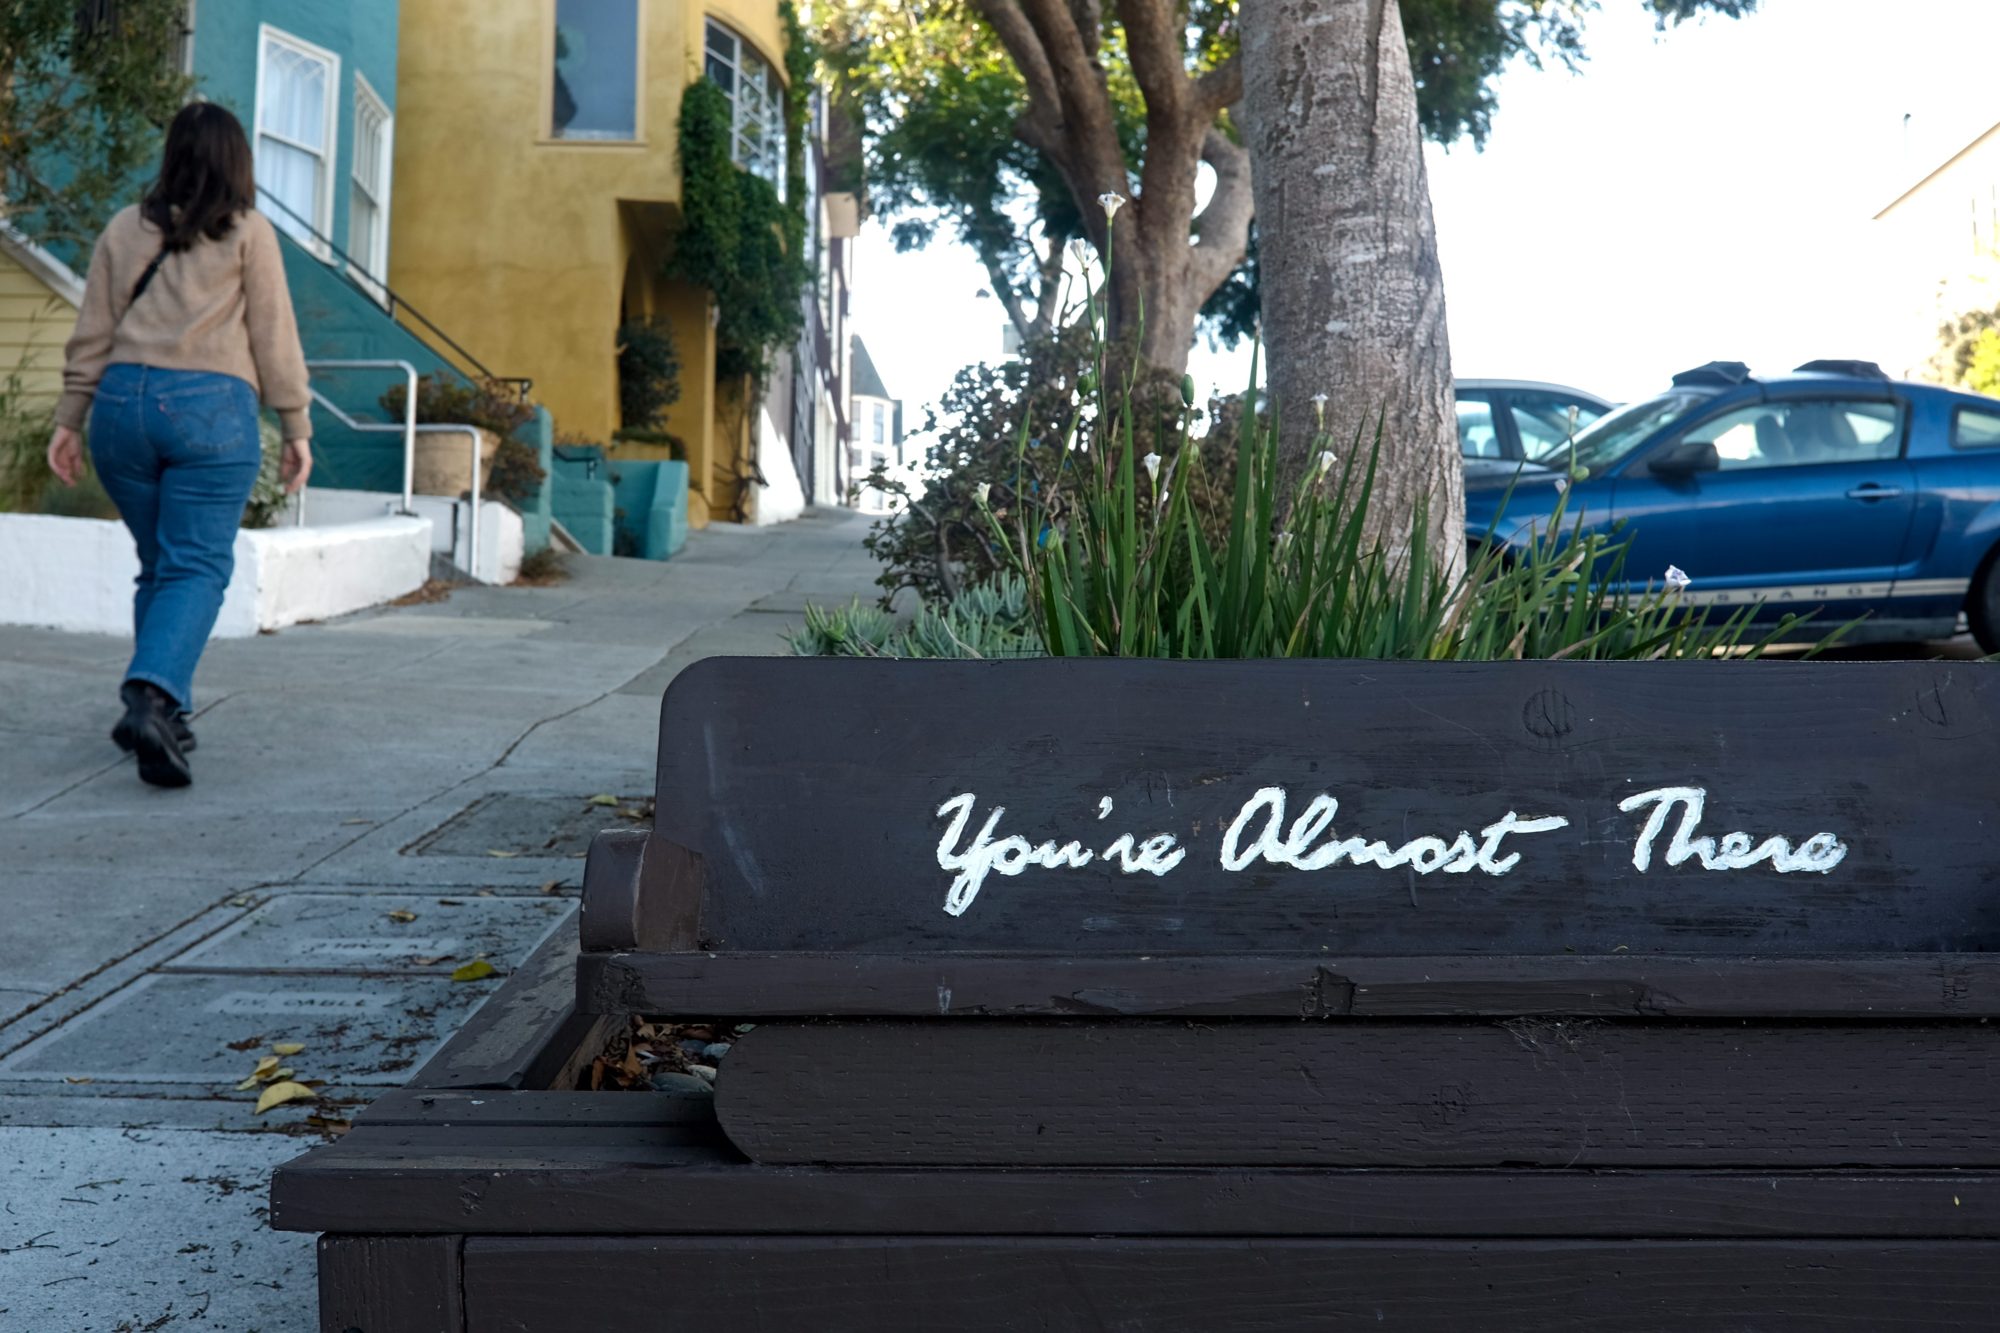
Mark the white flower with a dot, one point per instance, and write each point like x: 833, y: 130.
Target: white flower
x: 1081, y: 252
x: 1677, y: 578
x: 1152, y: 462
x: 1111, y: 201
x: 1319, y: 401
x: 1163, y: 498
x: 981, y: 491
x: 1326, y: 461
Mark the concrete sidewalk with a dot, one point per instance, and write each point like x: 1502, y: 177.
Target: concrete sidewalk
x: 377, y: 801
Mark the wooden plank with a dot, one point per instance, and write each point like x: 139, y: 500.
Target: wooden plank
x: 563, y: 1110
x: 1540, y: 1092
x: 817, y: 826
x: 390, y: 1284
x: 691, y: 1191
x: 1002, y: 1285
x: 780, y: 985
x: 526, y: 1033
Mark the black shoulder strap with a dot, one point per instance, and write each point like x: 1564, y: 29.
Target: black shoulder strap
x: 146, y: 278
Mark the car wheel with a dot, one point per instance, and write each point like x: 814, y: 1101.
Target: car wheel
x: 1982, y: 606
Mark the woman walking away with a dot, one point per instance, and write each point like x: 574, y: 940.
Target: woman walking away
x: 185, y: 322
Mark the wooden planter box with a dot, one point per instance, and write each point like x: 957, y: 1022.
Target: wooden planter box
x: 1353, y: 1096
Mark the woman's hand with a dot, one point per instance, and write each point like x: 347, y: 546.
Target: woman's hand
x: 298, y: 465
x: 66, y: 455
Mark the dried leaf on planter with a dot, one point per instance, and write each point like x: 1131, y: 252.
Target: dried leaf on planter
x: 476, y: 970
x: 603, y: 798
x: 264, y: 1068
x: 248, y: 1083
x: 402, y: 916
x: 288, y: 1047
x: 332, y: 1126
x: 495, y: 851
x: 433, y: 960
x: 284, y: 1073
x: 553, y: 886
x: 280, y: 1093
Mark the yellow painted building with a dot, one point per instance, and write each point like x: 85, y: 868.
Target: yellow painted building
x: 39, y: 297
x: 536, y: 194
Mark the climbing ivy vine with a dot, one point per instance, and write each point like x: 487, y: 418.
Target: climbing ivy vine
x: 738, y: 239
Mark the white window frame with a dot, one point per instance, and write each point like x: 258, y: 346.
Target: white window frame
x: 776, y: 134
x: 322, y: 219
x: 364, y: 92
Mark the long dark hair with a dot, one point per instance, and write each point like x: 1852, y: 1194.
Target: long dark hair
x: 206, y: 177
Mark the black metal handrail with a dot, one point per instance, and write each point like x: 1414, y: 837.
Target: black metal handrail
x: 346, y: 269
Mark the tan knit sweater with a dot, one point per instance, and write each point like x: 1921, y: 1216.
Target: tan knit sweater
x: 219, y: 306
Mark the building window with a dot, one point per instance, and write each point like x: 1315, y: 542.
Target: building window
x: 881, y: 424
x: 296, y: 129
x: 756, y: 98
x: 368, y: 208
x: 596, y: 71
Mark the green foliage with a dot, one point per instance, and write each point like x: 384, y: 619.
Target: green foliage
x: 267, y: 494
x: 1004, y: 433
x: 85, y: 90
x: 649, y: 372
x: 1968, y: 354
x: 493, y: 405
x: 1119, y: 561
x: 738, y: 240
x: 449, y: 400
x: 940, y: 99
x: 25, y: 427
x: 992, y: 621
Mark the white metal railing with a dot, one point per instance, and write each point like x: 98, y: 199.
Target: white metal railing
x: 409, y: 430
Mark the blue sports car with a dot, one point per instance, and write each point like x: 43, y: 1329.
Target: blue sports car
x: 1833, y: 489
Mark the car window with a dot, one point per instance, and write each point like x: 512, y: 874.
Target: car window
x: 1974, y: 429
x: 1478, y: 436
x: 1545, y: 420
x: 1797, y: 433
x: 1618, y: 433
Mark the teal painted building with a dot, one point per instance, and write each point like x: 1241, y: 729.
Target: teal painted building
x: 314, y: 84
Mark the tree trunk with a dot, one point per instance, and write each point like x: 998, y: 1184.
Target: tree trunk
x: 1165, y: 261
x: 1353, y: 302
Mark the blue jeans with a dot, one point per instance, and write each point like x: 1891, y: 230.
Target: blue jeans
x: 178, y: 451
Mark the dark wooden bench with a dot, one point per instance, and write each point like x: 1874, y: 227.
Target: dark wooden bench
x: 1277, y: 996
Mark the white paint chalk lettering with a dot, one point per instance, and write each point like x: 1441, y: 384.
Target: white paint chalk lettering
x: 1274, y: 844
x: 1013, y: 854
x: 1735, y: 851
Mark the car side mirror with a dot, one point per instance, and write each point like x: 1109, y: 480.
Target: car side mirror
x: 1686, y: 458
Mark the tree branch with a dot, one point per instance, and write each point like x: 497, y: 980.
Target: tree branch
x: 1050, y: 289
x: 1040, y: 127
x: 1224, y: 226
x: 1158, y: 53
x: 1221, y: 87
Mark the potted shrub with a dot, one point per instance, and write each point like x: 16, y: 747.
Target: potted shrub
x: 508, y: 469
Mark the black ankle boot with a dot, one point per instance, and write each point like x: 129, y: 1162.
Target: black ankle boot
x: 184, y: 733
x: 147, y: 730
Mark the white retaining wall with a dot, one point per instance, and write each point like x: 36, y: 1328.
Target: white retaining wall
x: 77, y: 573
x: 502, y: 541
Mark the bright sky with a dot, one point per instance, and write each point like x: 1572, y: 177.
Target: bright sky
x: 1700, y: 194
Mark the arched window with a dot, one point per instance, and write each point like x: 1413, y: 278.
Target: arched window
x: 757, y: 98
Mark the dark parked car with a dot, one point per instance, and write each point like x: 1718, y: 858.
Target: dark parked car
x: 1832, y: 489
x: 1520, y: 419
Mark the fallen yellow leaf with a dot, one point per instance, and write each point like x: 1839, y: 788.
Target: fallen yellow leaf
x: 286, y: 1072
x: 280, y: 1093
x: 403, y: 916
x: 603, y: 799
x: 264, y: 1067
x: 68, y: 1079
x: 248, y: 1083
x: 288, y: 1047
x: 495, y: 851
x: 476, y: 970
